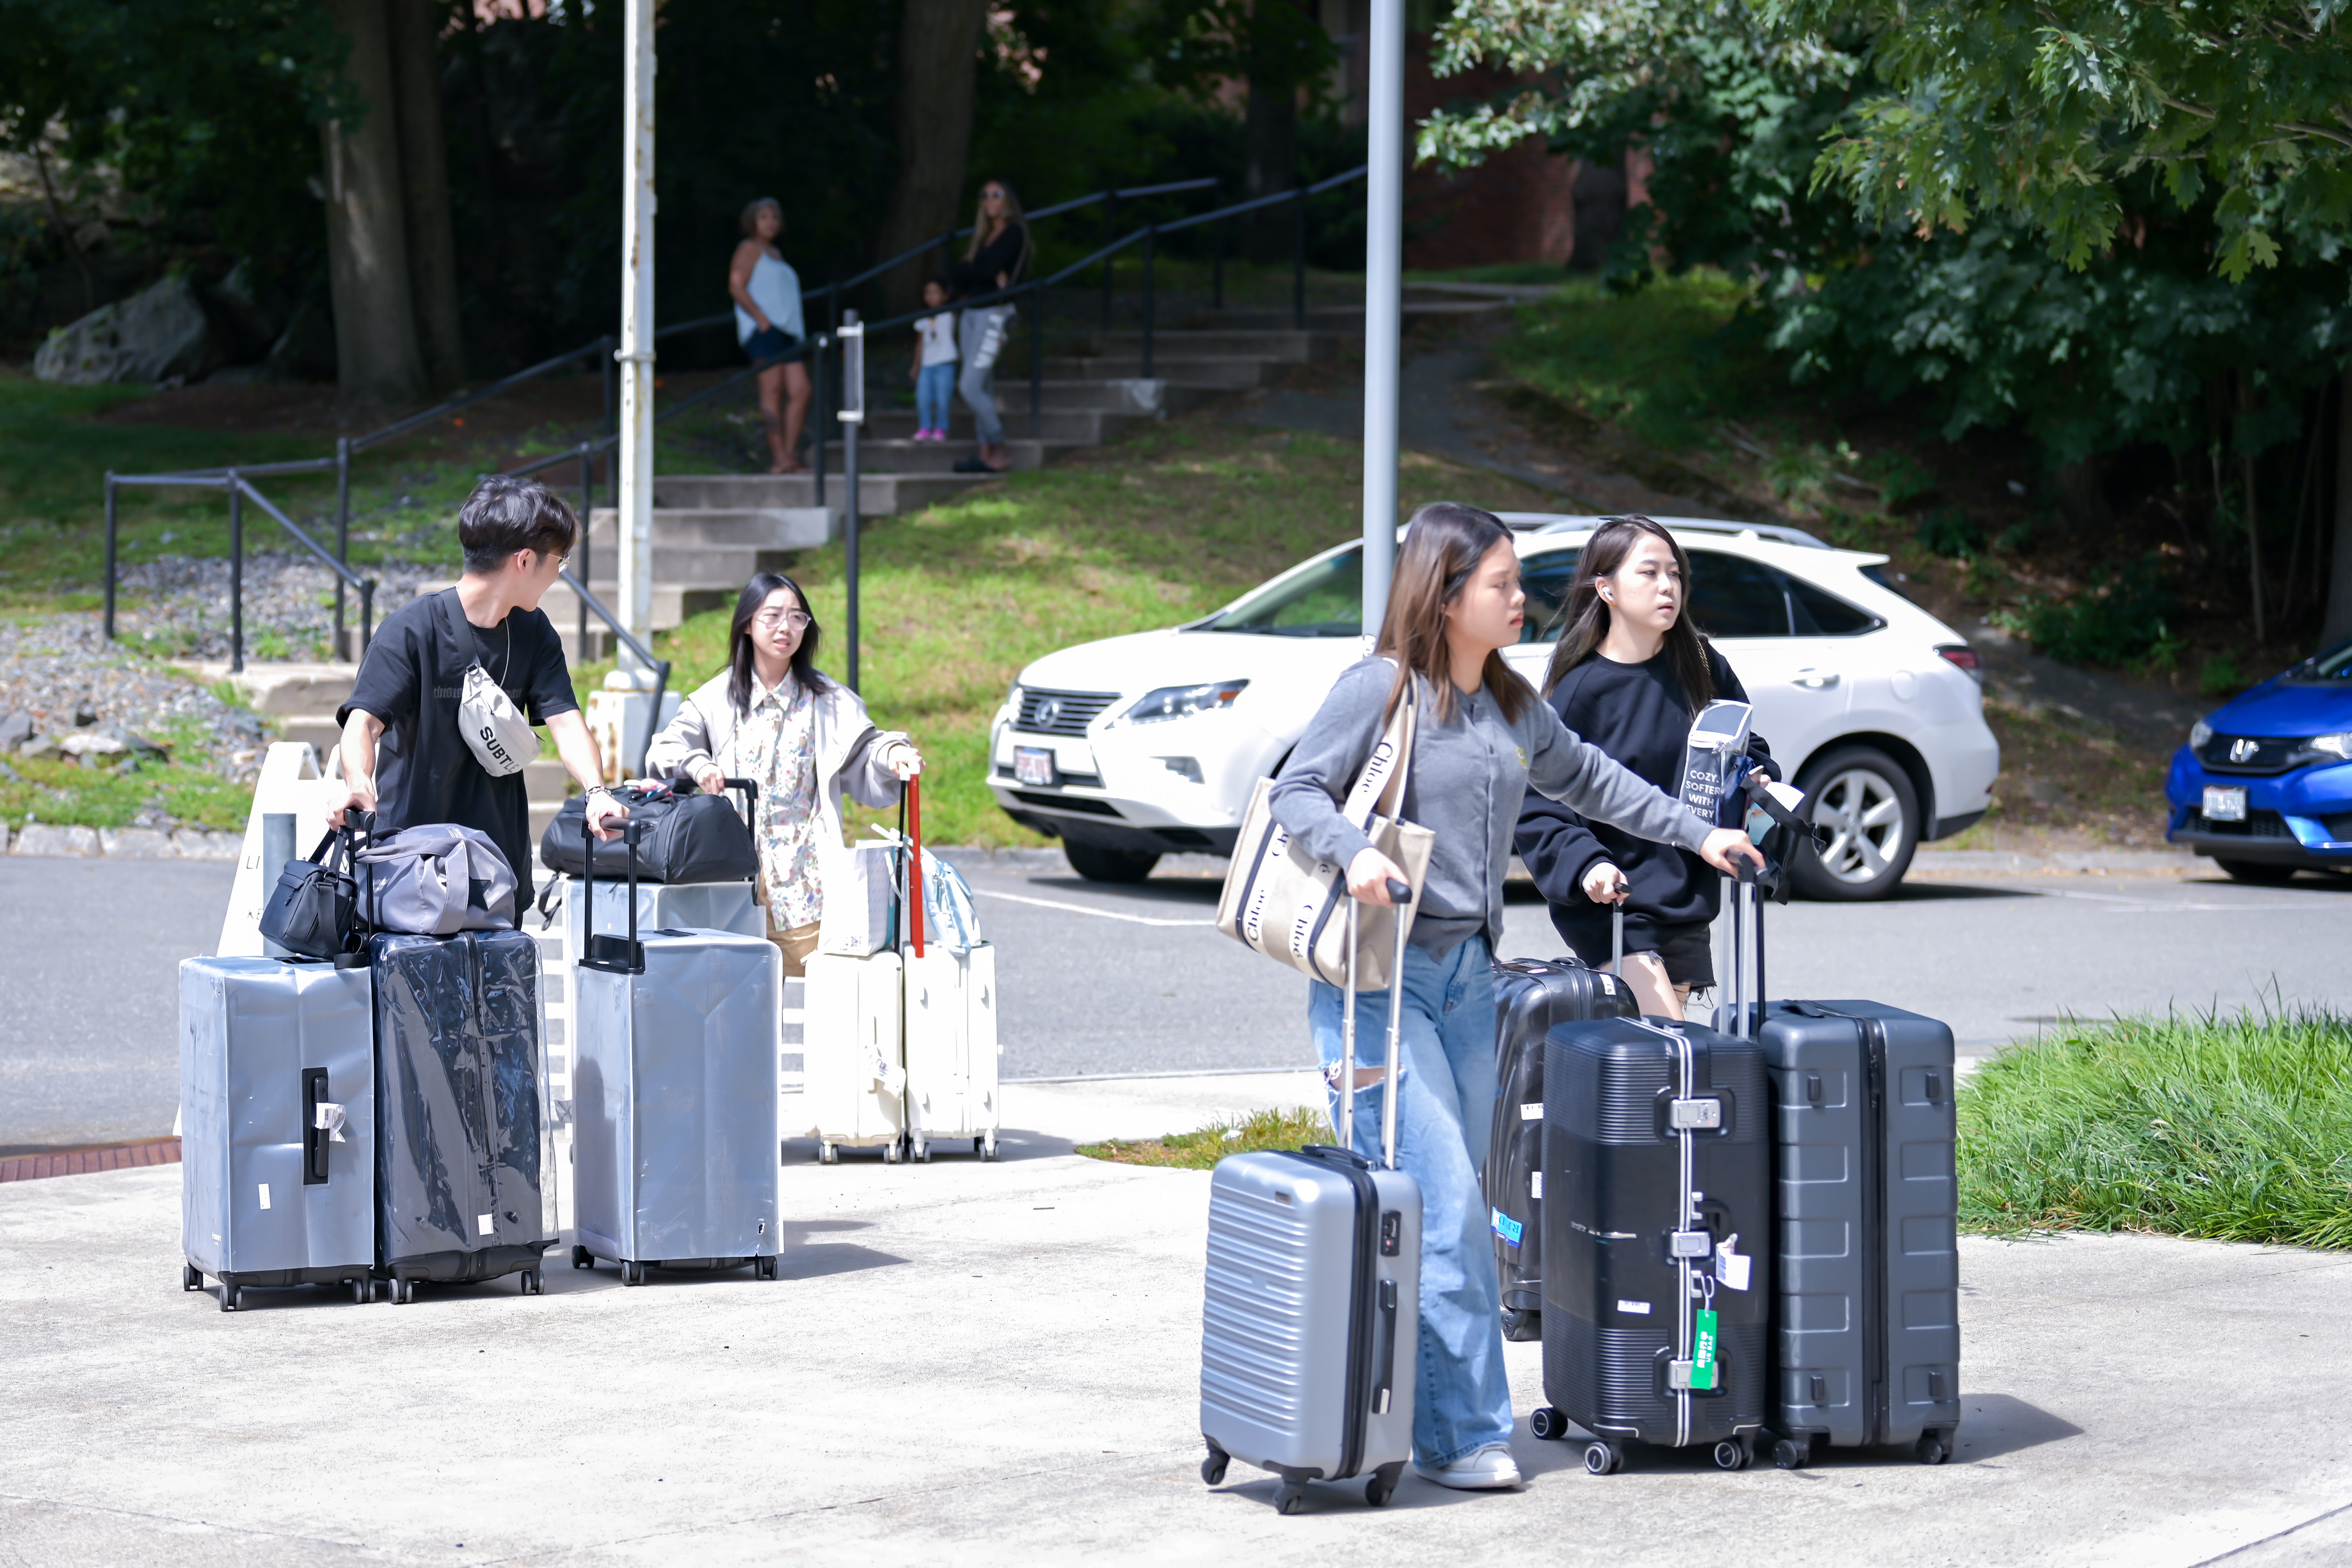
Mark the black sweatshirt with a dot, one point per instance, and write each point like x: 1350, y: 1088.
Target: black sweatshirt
x: 1638, y: 715
x: 978, y: 275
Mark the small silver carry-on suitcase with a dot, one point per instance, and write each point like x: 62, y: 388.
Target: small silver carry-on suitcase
x: 1312, y: 1323
x: 278, y: 1125
x: 674, y: 1130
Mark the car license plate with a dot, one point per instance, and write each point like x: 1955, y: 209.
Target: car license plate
x: 1034, y: 765
x: 2225, y: 804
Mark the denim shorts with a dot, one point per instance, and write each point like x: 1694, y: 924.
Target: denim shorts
x: 769, y: 342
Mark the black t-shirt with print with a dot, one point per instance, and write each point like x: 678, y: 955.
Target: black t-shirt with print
x: 412, y: 678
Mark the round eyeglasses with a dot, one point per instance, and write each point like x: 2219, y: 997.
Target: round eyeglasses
x: 769, y: 620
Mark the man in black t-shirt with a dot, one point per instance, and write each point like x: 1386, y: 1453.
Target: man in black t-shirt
x: 517, y: 536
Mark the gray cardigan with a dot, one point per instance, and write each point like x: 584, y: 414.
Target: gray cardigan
x: 1466, y: 782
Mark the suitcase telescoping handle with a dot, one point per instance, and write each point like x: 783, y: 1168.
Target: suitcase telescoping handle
x: 1400, y: 893
x: 613, y: 955
x: 749, y: 790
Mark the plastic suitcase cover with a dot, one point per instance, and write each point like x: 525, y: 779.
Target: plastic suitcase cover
x: 679, y: 905
x: 1531, y: 995
x: 267, y: 1196
x: 675, y: 1134
x: 1619, y: 1304
x: 459, y: 1105
x: 1310, y: 1332
x: 1866, y: 1280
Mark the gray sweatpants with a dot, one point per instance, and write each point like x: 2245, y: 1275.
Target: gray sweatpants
x: 977, y: 382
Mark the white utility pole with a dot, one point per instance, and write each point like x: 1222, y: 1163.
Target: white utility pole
x: 635, y: 500
x: 1383, y: 300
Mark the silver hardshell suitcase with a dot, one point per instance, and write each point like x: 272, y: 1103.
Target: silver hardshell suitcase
x: 278, y: 1125
x: 674, y: 1133
x: 1309, y: 1333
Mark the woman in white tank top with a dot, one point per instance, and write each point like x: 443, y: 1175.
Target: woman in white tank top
x: 767, y: 295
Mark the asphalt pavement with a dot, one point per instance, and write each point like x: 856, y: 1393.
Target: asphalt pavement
x: 1101, y: 981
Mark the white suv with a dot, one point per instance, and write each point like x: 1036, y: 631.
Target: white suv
x: 1137, y: 747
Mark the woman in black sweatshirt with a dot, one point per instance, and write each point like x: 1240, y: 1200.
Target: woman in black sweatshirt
x: 997, y: 259
x: 1629, y: 674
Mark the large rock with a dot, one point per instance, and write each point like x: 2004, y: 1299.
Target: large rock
x: 137, y: 844
x: 153, y: 336
x: 54, y: 838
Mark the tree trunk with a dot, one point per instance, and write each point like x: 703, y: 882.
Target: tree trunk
x: 938, y: 65
x: 1270, y: 164
x: 376, y: 358
x: 424, y: 189
x: 2338, y: 625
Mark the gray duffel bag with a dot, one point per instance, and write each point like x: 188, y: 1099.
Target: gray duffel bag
x: 436, y: 881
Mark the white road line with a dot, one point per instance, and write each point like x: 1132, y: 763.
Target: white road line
x: 2151, y: 906
x: 1085, y: 909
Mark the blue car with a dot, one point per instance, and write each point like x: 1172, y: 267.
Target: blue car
x: 2265, y: 785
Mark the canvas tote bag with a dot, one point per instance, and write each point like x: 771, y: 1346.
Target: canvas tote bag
x: 1281, y: 902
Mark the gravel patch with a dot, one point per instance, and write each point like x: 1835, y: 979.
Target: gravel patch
x: 62, y: 674
x: 179, y: 605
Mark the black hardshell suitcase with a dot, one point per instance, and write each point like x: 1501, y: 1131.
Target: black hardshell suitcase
x: 1865, y: 1325
x: 1531, y: 995
x: 1657, y: 1163
x: 1865, y: 1266
x: 459, y: 1109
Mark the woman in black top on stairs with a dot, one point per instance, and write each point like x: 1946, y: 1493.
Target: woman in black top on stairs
x: 1629, y: 674
x: 998, y: 259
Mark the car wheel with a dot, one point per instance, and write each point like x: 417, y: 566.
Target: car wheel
x: 1871, y: 815
x: 1097, y: 863
x: 2258, y: 871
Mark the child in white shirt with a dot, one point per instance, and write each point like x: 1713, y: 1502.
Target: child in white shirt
x: 935, y: 363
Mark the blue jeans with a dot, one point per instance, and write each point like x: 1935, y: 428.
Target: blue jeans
x: 1444, y: 1117
x: 934, y: 396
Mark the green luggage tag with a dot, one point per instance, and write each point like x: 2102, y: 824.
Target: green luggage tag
x: 1702, y: 1374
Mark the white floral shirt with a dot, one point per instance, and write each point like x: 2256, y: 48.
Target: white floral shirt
x: 776, y: 745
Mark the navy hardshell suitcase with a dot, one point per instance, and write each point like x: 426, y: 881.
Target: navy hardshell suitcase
x: 1531, y: 996
x: 461, y: 1109
x: 1657, y: 1173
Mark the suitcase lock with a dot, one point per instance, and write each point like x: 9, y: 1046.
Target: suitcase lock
x: 1694, y: 1115
x: 1690, y: 1243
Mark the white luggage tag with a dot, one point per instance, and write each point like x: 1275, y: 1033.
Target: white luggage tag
x: 330, y: 1120
x: 1731, y: 1265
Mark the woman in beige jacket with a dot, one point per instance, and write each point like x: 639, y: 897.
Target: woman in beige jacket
x: 802, y: 736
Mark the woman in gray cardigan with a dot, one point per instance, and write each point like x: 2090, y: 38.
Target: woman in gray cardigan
x: 1482, y: 739
x: 773, y: 717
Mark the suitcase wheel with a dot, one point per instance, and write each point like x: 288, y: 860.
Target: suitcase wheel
x: 890, y: 1152
x: 229, y: 1297
x: 922, y: 1151
x: 828, y: 1154
x: 529, y: 1282
x: 987, y: 1147
x: 582, y: 1258
x: 1604, y: 1458
x: 632, y: 1273
x: 1933, y: 1449
x: 1732, y: 1454
x: 1291, y: 1498
x: 1792, y: 1453
x: 1382, y: 1485
x: 1547, y: 1423
x: 1520, y: 1326
x: 362, y: 1291
x: 1212, y: 1469
x: 403, y: 1291
x: 191, y: 1277
x: 767, y: 1268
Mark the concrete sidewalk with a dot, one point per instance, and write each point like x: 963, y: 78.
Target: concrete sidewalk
x: 998, y: 1362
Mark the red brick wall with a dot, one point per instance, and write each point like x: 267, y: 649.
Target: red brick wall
x: 1518, y: 206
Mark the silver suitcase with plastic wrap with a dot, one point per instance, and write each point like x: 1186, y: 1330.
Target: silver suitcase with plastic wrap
x: 277, y: 1125
x: 674, y: 1133
x: 1311, y: 1326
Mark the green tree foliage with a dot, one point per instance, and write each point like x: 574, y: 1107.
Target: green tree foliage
x: 1199, y: 47
x: 211, y: 107
x: 2045, y: 108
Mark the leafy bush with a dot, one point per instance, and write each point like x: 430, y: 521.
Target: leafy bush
x: 1951, y: 532
x: 2234, y: 1129
x: 1665, y: 363
x: 2220, y: 677
x: 2116, y: 621
x: 1236, y: 1135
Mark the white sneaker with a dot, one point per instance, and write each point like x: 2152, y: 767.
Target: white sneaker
x: 1480, y: 1470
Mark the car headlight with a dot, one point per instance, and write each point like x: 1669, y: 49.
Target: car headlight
x: 2199, y: 734
x: 2333, y: 744
x: 1183, y: 702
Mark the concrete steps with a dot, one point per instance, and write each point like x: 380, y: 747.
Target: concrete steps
x: 909, y: 458
x: 1236, y: 375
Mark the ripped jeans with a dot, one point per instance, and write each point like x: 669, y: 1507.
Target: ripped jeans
x: 1445, y: 1118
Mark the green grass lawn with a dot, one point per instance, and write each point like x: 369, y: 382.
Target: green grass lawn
x: 1201, y: 1150
x: 1156, y: 529
x: 2229, y: 1129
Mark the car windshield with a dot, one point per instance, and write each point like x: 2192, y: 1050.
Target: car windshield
x: 1326, y: 600
x: 2336, y: 664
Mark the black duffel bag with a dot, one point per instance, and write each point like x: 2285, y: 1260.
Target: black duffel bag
x: 689, y: 836
x: 313, y: 912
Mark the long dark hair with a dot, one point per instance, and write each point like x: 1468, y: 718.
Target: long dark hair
x: 1443, y: 546
x: 739, y: 640
x: 1583, y: 619
x: 1014, y: 218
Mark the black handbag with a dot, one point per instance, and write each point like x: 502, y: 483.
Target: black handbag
x: 313, y: 912
x: 686, y: 836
